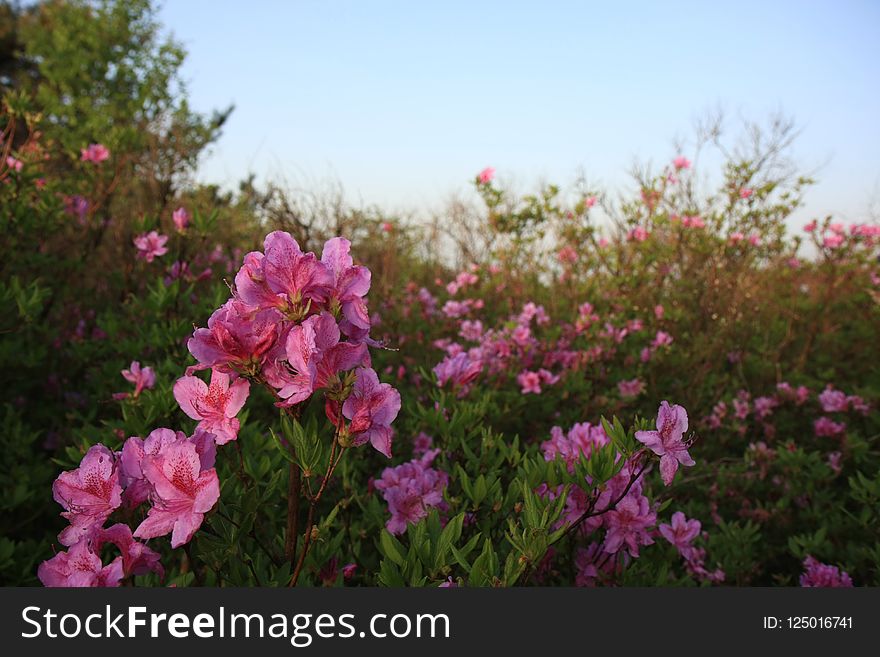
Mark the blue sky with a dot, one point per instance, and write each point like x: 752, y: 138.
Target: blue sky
x: 403, y: 102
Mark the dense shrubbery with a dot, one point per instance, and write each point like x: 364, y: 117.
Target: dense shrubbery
x: 490, y: 390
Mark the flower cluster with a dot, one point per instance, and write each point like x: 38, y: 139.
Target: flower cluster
x: 411, y: 489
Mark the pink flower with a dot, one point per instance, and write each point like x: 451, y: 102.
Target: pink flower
x: 151, y: 245
x: 530, y: 382
x: 471, y: 330
x: 746, y: 192
x: 662, y: 339
x: 631, y: 389
x: 582, y: 438
x: 371, y: 407
x: 142, y: 378
x: 833, y: 401
x: 214, y: 405
x: 422, y: 443
x: 349, y: 570
x: 237, y: 338
x: 681, y: 162
x: 825, y: 427
x: 658, y: 311
x: 486, y: 176
x: 181, y: 219
x: 736, y: 238
x: 590, y: 201
x: 811, y: 226
x: 667, y: 442
x: 137, y: 558
x: 627, y: 525
x: 411, y: 489
x: 95, y: 153
x: 567, y: 255
x: 387, y: 226
x: 183, y: 492
x: 14, y: 164
x: 818, y: 574
x: 461, y: 370
x: 298, y: 279
x: 637, y: 234
x: 89, y: 493
x: 80, y: 566
x: 681, y: 533
x: 832, y: 241
x: 350, y: 282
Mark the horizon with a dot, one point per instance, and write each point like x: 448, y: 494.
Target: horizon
x: 402, y: 105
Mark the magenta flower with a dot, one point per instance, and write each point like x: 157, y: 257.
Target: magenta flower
x: 486, y: 176
x: 530, y: 382
x: 137, y: 558
x: 214, y: 405
x: 637, y: 234
x: 833, y: 401
x: 746, y: 192
x: 681, y: 162
x: 681, y: 533
x: 628, y: 525
x: 89, y: 494
x: 461, y: 370
x: 350, y: 282
x: 411, y: 489
x: 300, y: 277
x: 14, y: 164
x: 825, y: 427
x: 80, y: 566
x: 183, y: 492
x: 237, y: 339
x: 95, y: 153
x: 142, y: 378
x: 371, y: 407
x: 631, y: 389
x: 181, y: 219
x: 818, y: 574
x: 668, y: 441
x: 151, y: 245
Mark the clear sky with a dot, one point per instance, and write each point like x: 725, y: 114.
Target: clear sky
x: 403, y: 102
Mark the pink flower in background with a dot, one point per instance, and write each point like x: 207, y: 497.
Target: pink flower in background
x: 486, y: 176
x: 471, y: 330
x: 371, y: 407
x: 94, y: 153
x: 681, y: 162
x: 681, y: 533
x: 590, y: 201
x: 151, y: 245
x: 631, y: 389
x: 736, y: 238
x: 411, y: 489
x: 530, y: 382
x: 14, y: 164
x: 422, y: 443
x: 80, y: 566
x: 755, y: 239
x: 833, y: 401
x: 746, y: 192
x: 832, y: 241
x: 662, y: 339
x: 811, y: 226
x: 182, y: 492
x: 214, y: 405
x: 567, y: 255
x: 142, y: 378
x: 658, y: 311
x: 181, y: 219
x: 582, y: 438
x: 637, y: 234
x: 818, y: 574
x: 299, y: 277
x: 825, y: 427
x: 834, y: 461
x: 668, y: 440
x: 387, y: 226
x: 461, y: 370
x: 90, y: 493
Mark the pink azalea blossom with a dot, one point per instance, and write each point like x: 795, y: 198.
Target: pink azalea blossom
x: 530, y: 382
x: 825, y: 427
x: 214, y: 405
x: 681, y: 162
x: 80, y: 566
x: 736, y: 238
x: 411, y: 489
x: 681, y: 533
x: 811, y: 226
x: 817, y: 574
x: 833, y: 401
x: 486, y: 176
x: 371, y: 407
x: 137, y: 558
x: 299, y: 278
x: 581, y: 439
x: 628, y: 524
x: 94, y: 153
x: 746, y: 192
x: 90, y: 493
x: 460, y: 370
x: 237, y: 338
x: 182, y: 492
x: 637, y: 234
x: 590, y: 201
x: 181, y: 219
x: 151, y: 245
x: 832, y: 241
x: 350, y: 282
x: 142, y: 378
x: 631, y: 389
x: 668, y: 440
x: 14, y: 164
